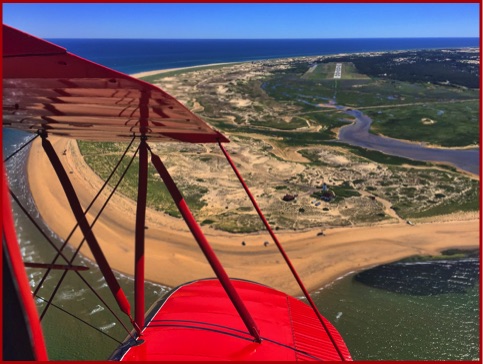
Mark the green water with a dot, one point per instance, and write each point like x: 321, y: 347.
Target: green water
x: 67, y: 338
x: 381, y: 325
x: 376, y: 324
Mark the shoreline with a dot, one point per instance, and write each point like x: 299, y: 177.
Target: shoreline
x: 173, y: 257
x: 156, y: 72
x: 160, y: 71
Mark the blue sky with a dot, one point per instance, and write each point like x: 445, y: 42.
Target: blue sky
x: 236, y: 20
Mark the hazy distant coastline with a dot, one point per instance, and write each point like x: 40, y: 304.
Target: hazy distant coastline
x: 139, y: 55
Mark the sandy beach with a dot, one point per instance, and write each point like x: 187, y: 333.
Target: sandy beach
x: 156, y: 72
x: 173, y: 256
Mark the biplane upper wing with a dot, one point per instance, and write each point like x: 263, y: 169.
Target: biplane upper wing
x: 47, y: 88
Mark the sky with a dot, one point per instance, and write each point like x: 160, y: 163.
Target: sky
x: 244, y: 20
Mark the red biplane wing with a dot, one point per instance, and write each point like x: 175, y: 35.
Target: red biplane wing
x: 46, y: 87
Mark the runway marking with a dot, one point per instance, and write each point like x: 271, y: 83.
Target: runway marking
x: 338, y: 70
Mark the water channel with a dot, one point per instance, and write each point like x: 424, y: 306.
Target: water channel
x: 358, y: 134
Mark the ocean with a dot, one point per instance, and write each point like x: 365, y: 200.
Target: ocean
x: 377, y: 323
x: 139, y: 55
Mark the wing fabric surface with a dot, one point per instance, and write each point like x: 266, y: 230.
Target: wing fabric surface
x: 45, y: 87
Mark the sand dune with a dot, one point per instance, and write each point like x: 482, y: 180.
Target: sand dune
x: 172, y: 254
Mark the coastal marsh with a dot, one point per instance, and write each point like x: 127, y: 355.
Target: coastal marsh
x: 450, y: 123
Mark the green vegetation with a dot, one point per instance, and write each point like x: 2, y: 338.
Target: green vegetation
x: 342, y: 191
x: 323, y: 71
x: 92, y: 149
x: 382, y: 158
x: 388, y: 93
x: 308, y: 93
x: 470, y: 253
x: 461, y: 194
x: 449, y: 124
x: 466, y: 203
x: 283, y: 187
x: 445, y: 255
x: 158, y: 196
x: 457, y: 68
x: 235, y: 223
x: 279, y: 124
x: 402, y: 106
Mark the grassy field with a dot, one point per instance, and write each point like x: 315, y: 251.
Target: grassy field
x: 324, y: 71
x: 357, y: 93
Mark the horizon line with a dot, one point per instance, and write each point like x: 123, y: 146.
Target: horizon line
x: 311, y: 38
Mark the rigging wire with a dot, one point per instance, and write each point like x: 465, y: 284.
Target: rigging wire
x: 59, y: 252
x: 18, y: 150
x: 282, y: 251
x: 206, y: 248
x: 81, y: 320
x: 69, y: 262
x: 32, y: 220
x: 80, y: 245
x: 44, y: 277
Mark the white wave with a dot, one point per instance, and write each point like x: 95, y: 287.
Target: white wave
x: 39, y: 302
x: 107, y: 327
x: 32, y: 275
x: 97, y: 309
x: 335, y: 280
x: 71, y: 294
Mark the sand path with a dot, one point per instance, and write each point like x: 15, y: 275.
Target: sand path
x: 173, y: 257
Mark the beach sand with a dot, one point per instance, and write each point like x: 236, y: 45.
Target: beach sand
x: 156, y: 72
x: 173, y: 256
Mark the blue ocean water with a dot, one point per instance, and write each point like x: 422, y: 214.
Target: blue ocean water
x: 139, y: 55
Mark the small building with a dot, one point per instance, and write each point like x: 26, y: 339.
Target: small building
x: 327, y: 196
x: 288, y: 197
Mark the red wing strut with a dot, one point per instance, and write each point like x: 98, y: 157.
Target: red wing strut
x: 25, y: 333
